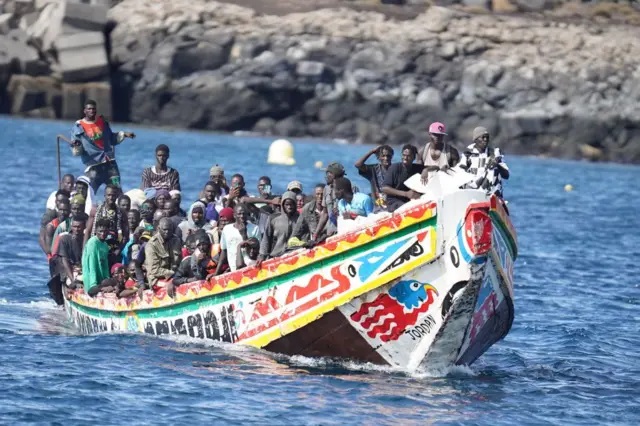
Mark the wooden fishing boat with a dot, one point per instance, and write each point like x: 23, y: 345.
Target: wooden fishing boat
x: 429, y: 285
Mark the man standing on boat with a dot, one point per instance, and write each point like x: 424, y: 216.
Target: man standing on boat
x: 485, y: 163
x: 94, y: 141
x: 161, y: 176
x: 436, y: 155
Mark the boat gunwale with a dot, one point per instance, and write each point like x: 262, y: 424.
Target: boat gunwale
x: 279, y: 277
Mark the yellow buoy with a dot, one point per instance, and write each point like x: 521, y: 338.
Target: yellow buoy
x: 568, y: 187
x: 281, y: 152
x: 319, y: 164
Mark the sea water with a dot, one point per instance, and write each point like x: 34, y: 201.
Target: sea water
x: 572, y: 356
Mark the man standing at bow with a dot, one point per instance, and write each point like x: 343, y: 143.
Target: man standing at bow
x: 486, y: 163
x: 93, y: 139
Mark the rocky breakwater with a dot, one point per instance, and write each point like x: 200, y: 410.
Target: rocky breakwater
x: 542, y: 87
x: 53, y: 57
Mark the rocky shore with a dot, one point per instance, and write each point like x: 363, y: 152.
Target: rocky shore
x: 565, y: 88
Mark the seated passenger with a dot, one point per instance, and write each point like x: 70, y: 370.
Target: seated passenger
x: 216, y: 175
x: 375, y: 173
x: 351, y: 205
x: 64, y: 211
x: 147, y: 210
x: 328, y: 220
x: 161, y: 197
x: 485, y: 163
x: 124, y: 202
x: 308, y: 219
x: 69, y: 251
x: 163, y: 253
x: 161, y: 176
x: 198, y: 266
x: 177, y: 197
x: 77, y: 208
x: 393, y: 185
x: 113, y: 284
x: 83, y: 186
x: 263, y: 205
x: 47, y: 217
x: 236, y: 191
x: 68, y: 184
x: 248, y: 253
x: 95, y: 257
x: 118, y: 223
x: 195, y: 221
x: 212, y: 200
x: 279, y: 229
x: 226, y: 217
x: 295, y: 186
x: 131, y: 286
x: 232, y: 235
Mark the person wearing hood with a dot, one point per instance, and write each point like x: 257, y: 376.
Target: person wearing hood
x: 195, y: 220
x: 83, y: 186
x: 94, y: 140
x: 485, y: 163
x: 279, y: 229
x: 198, y: 265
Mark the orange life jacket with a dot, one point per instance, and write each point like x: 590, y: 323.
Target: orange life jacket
x: 94, y: 131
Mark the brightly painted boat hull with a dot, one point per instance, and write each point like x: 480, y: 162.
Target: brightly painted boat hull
x: 431, y: 284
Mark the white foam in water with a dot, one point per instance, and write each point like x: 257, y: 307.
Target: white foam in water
x: 454, y: 370
x: 34, y: 304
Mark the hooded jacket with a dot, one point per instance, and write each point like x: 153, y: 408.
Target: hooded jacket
x: 190, y: 225
x: 279, y: 230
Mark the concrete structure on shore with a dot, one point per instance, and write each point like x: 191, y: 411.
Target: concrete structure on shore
x: 542, y: 85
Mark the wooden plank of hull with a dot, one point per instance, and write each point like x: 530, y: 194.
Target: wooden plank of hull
x: 330, y: 336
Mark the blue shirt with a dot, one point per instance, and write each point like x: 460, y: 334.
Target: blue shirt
x: 361, y: 205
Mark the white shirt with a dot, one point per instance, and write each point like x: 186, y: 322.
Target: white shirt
x: 231, y: 239
x: 51, y: 201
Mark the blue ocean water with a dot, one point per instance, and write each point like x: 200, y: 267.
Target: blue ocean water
x: 572, y: 356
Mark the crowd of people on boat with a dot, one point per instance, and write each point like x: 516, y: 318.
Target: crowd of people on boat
x: 145, y: 239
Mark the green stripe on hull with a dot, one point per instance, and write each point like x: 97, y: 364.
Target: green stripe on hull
x: 192, y: 305
x: 502, y: 228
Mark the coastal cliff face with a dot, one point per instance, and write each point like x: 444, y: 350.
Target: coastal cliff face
x: 542, y: 86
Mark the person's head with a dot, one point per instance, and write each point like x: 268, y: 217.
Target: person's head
x: 82, y: 187
x: 133, y: 217
x: 253, y: 248
x: 165, y: 228
x: 299, y: 201
x: 288, y: 202
x: 202, y: 242
x: 226, y: 217
x: 409, y: 153
x: 64, y: 210
x: 111, y: 194
x: 102, y: 228
x: 90, y: 109
x: 162, y: 196
x: 77, y: 204
x: 437, y: 133
x: 343, y: 188
x: 68, y: 182
x: 295, y: 186
x: 158, y: 215
x: 118, y: 271
x: 172, y: 207
x: 162, y: 155
x: 216, y: 174
x: 177, y: 196
x: 131, y: 269
x: 318, y: 193
x: 240, y: 213
x: 384, y: 154
x: 78, y: 225
x: 147, y: 209
x: 211, y: 191
x: 237, y: 181
x: 197, y: 212
x: 334, y: 170
x: 61, y: 196
x: 264, y: 186
x: 124, y: 202
x: 481, y: 138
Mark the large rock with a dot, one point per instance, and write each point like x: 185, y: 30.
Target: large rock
x: 30, y: 93
x: 70, y: 17
x: 82, y: 56
x: 23, y: 58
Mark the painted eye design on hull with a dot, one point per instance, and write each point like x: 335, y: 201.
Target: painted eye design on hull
x: 415, y: 286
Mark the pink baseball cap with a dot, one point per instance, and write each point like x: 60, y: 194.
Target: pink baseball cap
x: 437, y: 128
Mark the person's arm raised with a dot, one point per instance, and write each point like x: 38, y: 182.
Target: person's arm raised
x: 360, y: 164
